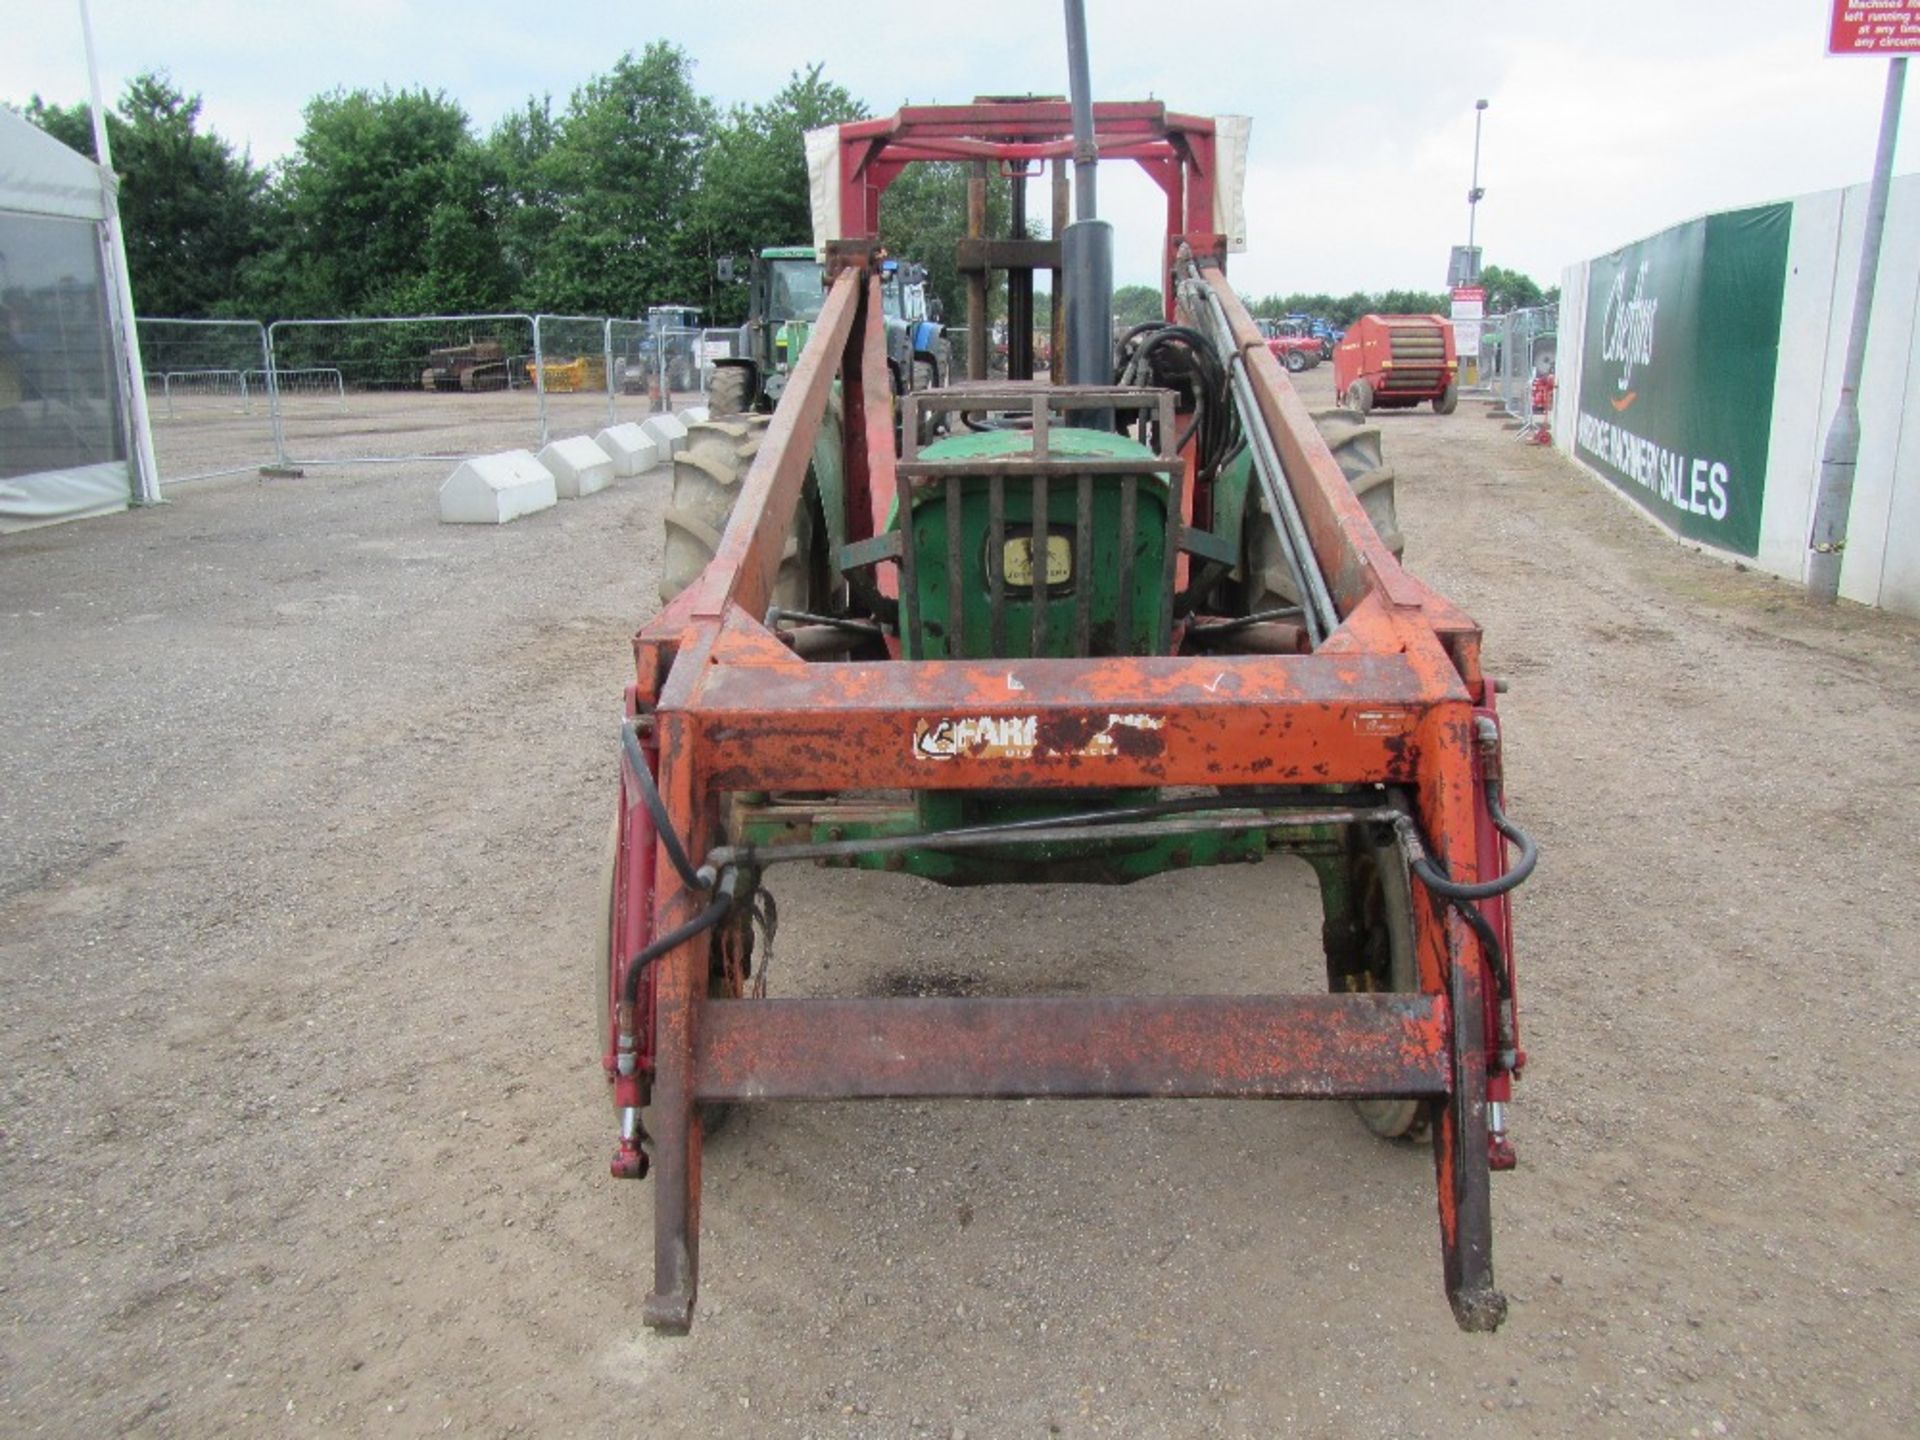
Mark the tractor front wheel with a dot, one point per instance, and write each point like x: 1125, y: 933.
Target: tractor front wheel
x: 730, y: 391
x: 730, y: 969
x: 1370, y: 950
x: 1356, y: 445
x: 706, y: 483
x: 1295, y: 361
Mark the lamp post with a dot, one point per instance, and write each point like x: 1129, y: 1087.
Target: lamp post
x: 1474, y: 194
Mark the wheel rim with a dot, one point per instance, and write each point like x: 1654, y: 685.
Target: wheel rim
x: 1383, y: 903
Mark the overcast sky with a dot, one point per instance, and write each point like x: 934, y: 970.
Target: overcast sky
x: 1606, y: 122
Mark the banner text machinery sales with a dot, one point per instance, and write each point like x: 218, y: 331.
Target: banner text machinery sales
x: 1698, y: 485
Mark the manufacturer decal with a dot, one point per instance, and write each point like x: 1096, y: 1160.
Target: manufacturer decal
x: 1021, y: 737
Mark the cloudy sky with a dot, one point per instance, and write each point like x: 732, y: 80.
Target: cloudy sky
x: 1606, y: 122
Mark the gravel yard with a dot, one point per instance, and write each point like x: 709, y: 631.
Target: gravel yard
x: 303, y: 797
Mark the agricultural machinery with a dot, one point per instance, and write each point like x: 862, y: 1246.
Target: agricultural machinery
x: 480, y: 365
x: 1290, y: 343
x: 786, y: 288
x: 664, y: 356
x: 1394, y: 362
x: 1085, y: 632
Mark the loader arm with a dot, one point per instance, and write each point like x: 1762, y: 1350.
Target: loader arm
x: 1381, y: 729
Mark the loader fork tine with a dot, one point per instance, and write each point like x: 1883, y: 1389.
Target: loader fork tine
x: 1460, y: 1158
x: 681, y: 994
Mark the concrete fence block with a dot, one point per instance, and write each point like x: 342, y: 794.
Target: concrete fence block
x: 632, y: 449
x: 493, y: 489
x: 694, y: 415
x: 579, y: 467
x: 666, y: 432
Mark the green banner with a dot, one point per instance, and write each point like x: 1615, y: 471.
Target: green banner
x: 1676, y: 381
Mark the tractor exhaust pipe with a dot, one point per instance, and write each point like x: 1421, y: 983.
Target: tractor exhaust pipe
x: 1086, y: 249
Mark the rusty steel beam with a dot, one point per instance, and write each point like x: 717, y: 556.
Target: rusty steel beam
x: 1075, y: 1047
x: 1207, y: 720
x: 742, y: 571
x: 1351, y: 553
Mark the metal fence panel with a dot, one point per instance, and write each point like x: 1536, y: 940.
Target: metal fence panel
x: 651, y: 360
x: 207, y: 395
x: 229, y: 396
x: 428, y: 387
x: 573, y: 368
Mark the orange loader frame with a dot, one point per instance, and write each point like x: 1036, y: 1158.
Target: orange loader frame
x: 720, y: 705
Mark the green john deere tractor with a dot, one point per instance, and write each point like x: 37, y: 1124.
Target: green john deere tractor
x: 786, y: 287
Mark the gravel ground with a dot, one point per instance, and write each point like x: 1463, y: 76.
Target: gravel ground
x: 303, y: 797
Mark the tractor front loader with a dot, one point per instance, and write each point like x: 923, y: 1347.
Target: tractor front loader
x: 1075, y: 633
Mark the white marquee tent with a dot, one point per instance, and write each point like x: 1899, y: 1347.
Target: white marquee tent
x: 66, y: 431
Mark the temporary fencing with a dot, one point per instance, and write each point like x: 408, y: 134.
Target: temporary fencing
x: 655, y: 366
x: 415, y: 387
x: 208, y: 396
x: 1516, y: 348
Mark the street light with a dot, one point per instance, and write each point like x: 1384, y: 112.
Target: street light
x: 1475, y: 194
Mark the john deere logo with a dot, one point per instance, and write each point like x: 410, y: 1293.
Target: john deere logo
x: 1627, y: 333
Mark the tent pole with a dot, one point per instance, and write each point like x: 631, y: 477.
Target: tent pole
x: 133, y: 376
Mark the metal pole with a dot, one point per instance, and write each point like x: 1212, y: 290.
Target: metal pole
x: 146, y: 468
x: 1086, y: 249
x: 1474, y: 193
x: 606, y: 361
x: 1834, y: 499
x: 539, y: 380
x: 1085, y: 154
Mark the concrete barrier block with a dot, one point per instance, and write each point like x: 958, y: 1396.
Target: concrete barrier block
x: 667, y: 433
x: 579, y: 467
x: 493, y: 489
x: 694, y: 415
x: 632, y: 449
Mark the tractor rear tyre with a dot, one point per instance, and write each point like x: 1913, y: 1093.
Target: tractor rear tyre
x: 1356, y: 445
x: 706, y: 483
x: 1370, y: 950
x: 1445, y: 402
x: 729, y: 392
x: 1359, y: 397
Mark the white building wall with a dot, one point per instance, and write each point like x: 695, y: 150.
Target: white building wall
x: 1882, y: 565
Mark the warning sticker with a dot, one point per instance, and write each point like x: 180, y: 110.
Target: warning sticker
x: 1021, y: 737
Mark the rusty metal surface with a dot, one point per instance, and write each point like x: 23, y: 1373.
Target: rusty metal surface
x: 1110, y: 1047
x: 1387, y: 698
x: 743, y: 568
x: 1210, y: 720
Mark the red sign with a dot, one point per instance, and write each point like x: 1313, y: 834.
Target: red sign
x: 1875, y: 27
x: 1470, y: 292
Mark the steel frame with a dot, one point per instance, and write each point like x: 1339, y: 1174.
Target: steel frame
x: 723, y: 706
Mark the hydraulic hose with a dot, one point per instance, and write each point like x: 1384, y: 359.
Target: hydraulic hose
x: 1435, y: 877
x: 699, y: 925
x: 657, y: 809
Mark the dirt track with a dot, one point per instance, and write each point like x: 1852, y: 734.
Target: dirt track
x: 303, y: 795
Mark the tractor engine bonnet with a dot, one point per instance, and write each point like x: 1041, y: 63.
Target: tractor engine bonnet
x: 1017, y: 566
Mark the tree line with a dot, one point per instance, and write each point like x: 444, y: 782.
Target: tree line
x: 393, y: 203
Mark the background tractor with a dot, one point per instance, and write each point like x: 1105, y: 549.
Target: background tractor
x: 786, y: 286
x: 1291, y: 345
x: 1023, y: 632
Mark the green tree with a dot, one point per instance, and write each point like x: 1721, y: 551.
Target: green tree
x: 625, y: 166
x: 1136, y: 305
x: 923, y: 217
x: 192, y: 208
x: 754, y: 190
x: 1510, y: 290
x: 524, y: 201
x: 385, y: 211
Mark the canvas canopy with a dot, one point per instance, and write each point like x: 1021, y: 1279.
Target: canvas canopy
x: 63, y: 432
